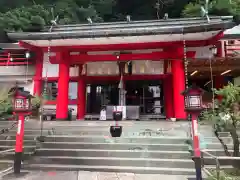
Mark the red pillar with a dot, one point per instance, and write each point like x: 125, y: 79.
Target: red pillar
x: 81, y: 106
x: 37, y: 87
x: 178, y: 78
x: 63, y: 86
x: 219, y: 49
x: 168, y: 97
x: 218, y: 84
x: 19, y: 144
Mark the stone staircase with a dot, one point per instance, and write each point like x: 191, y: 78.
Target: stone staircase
x: 7, y: 143
x: 154, y: 147
x: 143, y: 148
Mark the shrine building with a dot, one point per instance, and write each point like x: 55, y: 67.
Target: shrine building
x: 142, y: 65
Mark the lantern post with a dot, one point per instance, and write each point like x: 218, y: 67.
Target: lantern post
x: 21, y: 107
x: 194, y: 106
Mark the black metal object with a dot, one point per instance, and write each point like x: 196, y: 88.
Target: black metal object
x: 117, y: 116
x: 17, y: 162
x: 198, y: 167
x: 116, y: 131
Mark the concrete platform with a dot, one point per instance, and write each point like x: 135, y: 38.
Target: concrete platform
x: 86, y: 175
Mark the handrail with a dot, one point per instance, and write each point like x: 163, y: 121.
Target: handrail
x: 5, y: 151
x: 5, y: 171
x: 217, y: 158
x: 217, y: 163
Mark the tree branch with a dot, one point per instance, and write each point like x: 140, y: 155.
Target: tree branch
x: 225, y: 148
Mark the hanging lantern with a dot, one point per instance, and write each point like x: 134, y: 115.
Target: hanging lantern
x: 22, y: 102
x: 193, y: 99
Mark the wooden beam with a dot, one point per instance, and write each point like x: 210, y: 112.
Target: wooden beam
x: 155, y: 56
x: 214, y: 68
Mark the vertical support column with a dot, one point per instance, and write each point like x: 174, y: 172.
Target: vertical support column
x: 178, y: 78
x: 19, y: 144
x: 81, y: 106
x: 220, y: 47
x: 219, y: 82
x: 168, y: 97
x: 93, y: 97
x: 63, y: 86
x: 37, y: 80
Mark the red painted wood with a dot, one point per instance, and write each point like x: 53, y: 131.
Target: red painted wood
x: 54, y: 102
x: 37, y: 89
x: 14, y: 59
x: 196, y: 142
x: 81, y: 106
x: 20, y: 134
x: 112, y: 78
x: 156, y: 56
x: 128, y: 46
x: 168, y: 97
x: 14, y: 63
x: 63, y: 86
x: 178, y: 87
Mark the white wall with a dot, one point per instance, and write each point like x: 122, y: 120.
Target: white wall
x: 202, y: 52
x: 52, y: 70
x: 27, y: 86
x: 237, y: 81
x: 17, y: 70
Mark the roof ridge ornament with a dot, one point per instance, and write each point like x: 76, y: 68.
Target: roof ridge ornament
x: 89, y: 20
x: 204, y: 10
x: 128, y: 17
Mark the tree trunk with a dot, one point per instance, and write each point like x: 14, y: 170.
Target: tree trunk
x: 236, y: 143
x: 225, y: 148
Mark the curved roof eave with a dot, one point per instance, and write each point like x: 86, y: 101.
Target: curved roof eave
x: 153, y: 30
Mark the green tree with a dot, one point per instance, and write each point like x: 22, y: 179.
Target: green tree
x: 215, y: 7
x: 25, y: 18
x: 226, y: 117
x: 5, y: 99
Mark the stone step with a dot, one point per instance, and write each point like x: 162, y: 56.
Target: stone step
x: 28, y: 132
x: 218, y: 146
x: 125, y: 169
x: 216, y: 152
x: 114, y: 161
x: 5, y: 164
x: 115, y: 146
x: 223, y: 162
x: 128, y: 139
x: 103, y: 139
x: 26, y: 147
x: 113, y: 153
x: 13, y: 137
x: 13, y: 142
x: 10, y: 155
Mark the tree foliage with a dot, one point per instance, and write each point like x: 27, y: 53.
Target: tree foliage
x: 24, y: 18
x: 226, y: 117
x: 215, y: 7
x: 5, y: 99
x: 32, y: 15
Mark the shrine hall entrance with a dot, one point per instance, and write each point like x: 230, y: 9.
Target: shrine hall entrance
x: 148, y: 95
